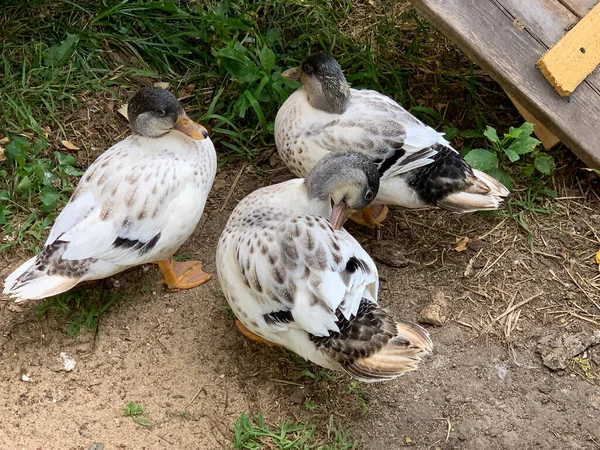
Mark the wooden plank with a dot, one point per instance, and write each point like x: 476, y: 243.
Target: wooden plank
x: 579, y: 7
x: 545, y: 20
x: 489, y: 37
x: 575, y: 56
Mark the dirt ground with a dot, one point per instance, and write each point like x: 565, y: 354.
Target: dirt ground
x: 485, y: 386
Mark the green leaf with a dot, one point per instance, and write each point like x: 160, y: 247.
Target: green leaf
x: 72, y: 171
x: 526, y: 129
x: 49, y: 197
x: 491, y: 134
x: 267, y: 59
x: 513, y: 133
x: 57, y: 54
x: 512, y: 155
x: 524, y: 145
x: 142, y: 421
x: 547, y: 192
x: 544, y: 163
x: 481, y: 159
x: 17, y: 150
x: 24, y: 185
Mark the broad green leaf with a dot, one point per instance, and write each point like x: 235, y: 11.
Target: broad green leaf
x: 470, y: 134
x: 450, y: 133
x: 513, y: 133
x: 60, y: 52
x: 544, y: 163
x: 491, y: 134
x: 50, y: 197
x: 267, y: 59
x: 524, y: 145
x: 72, y: 171
x: 481, y: 159
x: 526, y: 129
x: 512, y: 155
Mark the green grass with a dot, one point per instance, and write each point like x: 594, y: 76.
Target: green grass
x: 80, y: 306
x: 136, y: 411
x: 257, y: 434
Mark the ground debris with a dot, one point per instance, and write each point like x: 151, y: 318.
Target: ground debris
x: 68, y: 363
x: 556, y: 351
x: 390, y: 253
x: 96, y: 446
x: 435, y: 312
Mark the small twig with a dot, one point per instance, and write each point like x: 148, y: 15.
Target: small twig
x: 194, y: 398
x: 285, y: 382
x: 232, y: 188
x: 164, y: 439
x: 449, y: 426
x: 511, y: 309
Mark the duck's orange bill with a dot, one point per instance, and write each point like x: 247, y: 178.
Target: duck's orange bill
x: 191, y: 128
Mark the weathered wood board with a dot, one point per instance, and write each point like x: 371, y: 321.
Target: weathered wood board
x: 506, y: 38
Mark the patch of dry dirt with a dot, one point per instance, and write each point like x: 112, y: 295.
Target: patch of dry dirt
x: 484, y: 387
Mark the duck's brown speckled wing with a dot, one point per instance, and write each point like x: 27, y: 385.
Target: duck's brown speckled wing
x: 371, y: 346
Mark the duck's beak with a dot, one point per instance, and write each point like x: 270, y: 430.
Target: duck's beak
x: 292, y: 74
x: 339, y: 215
x: 189, y: 127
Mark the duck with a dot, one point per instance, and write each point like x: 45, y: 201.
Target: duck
x: 137, y: 203
x: 295, y: 278
x: 418, y: 167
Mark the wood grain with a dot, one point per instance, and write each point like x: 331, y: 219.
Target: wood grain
x: 579, y: 7
x: 574, y: 56
x: 488, y: 35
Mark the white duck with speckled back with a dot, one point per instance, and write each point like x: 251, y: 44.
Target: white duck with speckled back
x: 418, y: 167
x: 137, y: 203
x: 297, y: 280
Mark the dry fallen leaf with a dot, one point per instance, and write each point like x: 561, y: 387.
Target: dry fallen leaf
x: 69, y: 145
x: 461, y: 243
x: 162, y: 85
x: 598, y: 257
x: 4, y: 140
x: 123, y: 110
x: 3, y: 157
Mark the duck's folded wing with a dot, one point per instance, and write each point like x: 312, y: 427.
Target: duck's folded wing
x: 116, y: 216
x: 377, y: 126
x: 303, y: 272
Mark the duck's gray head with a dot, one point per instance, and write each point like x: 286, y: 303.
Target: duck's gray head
x: 350, y: 180
x: 324, y: 82
x: 153, y: 112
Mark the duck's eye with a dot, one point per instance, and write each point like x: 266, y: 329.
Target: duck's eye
x: 369, y: 195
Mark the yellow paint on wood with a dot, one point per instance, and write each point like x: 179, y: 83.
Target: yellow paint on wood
x: 574, y: 56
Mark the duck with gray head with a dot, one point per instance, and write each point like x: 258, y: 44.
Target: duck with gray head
x: 298, y: 280
x: 418, y: 167
x: 137, y: 203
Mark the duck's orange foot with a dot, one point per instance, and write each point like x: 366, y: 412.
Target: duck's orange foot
x: 255, y: 337
x: 182, y: 275
x: 371, y: 216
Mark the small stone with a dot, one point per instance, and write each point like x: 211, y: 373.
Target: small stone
x: 390, y: 253
x: 544, y: 389
x: 25, y: 377
x: 298, y: 396
x: 68, y: 363
x: 556, y: 351
x: 435, y: 312
x: 96, y: 446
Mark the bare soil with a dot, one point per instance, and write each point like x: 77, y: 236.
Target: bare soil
x: 485, y: 386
